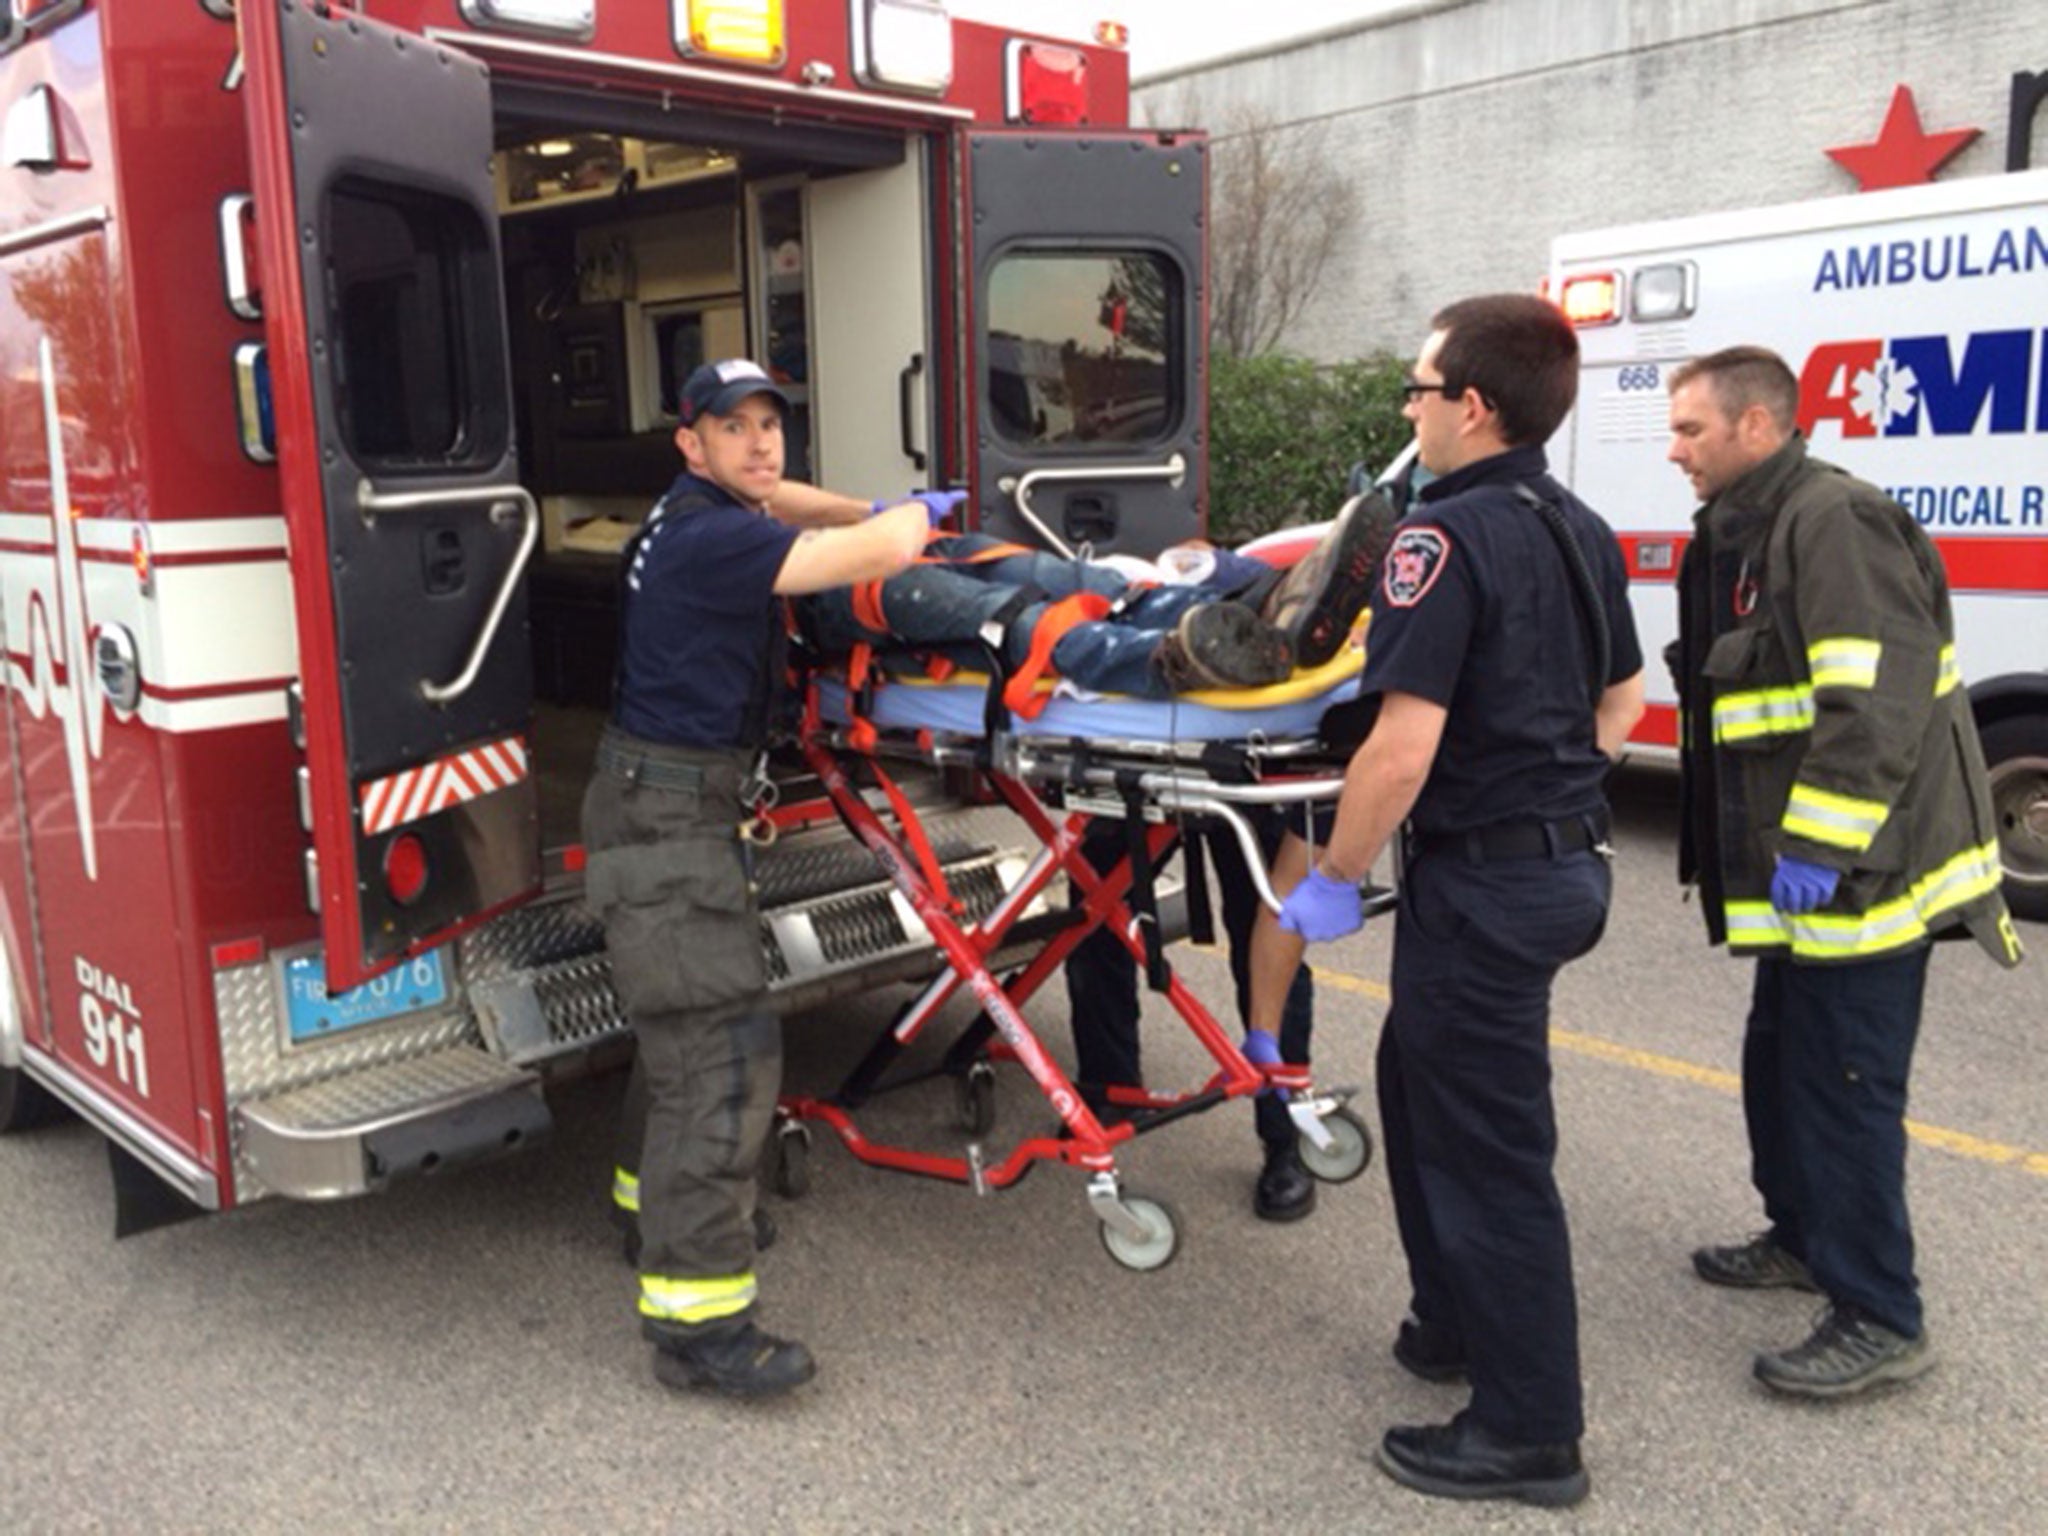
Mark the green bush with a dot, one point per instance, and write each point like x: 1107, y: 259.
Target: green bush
x: 1284, y: 432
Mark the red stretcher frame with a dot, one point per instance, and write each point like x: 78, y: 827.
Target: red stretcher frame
x: 970, y: 948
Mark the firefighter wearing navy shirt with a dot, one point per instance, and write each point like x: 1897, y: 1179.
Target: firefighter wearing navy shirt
x: 666, y: 872
x: 1508, y: 671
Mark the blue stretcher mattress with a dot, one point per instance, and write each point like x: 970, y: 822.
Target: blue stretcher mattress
x: 1286, y: 711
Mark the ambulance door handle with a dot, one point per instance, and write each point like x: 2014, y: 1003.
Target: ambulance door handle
x: 1173, y: 472
x: 906, y: 380
x: 245, y: 301
x: 373, y: 501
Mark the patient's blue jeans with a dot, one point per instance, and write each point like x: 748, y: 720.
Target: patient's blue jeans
x: 942, y: 608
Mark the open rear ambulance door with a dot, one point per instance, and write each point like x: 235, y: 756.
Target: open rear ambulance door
x: 377, y: 236
x: 1088, y: 313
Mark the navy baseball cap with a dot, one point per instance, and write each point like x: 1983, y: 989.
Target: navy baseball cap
x: 715, y: 388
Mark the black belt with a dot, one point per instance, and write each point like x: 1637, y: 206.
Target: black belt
x: 1516, y: 839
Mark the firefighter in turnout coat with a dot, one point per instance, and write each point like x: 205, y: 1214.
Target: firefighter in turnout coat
x: 1837, y: 820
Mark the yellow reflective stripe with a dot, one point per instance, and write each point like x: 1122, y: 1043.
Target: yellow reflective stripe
x: 1837, y: 820
x: 626, y: 1190
x: 696, y: 1301
x: 1843, y: 661
x: 1766, y: 712
x: 1951, y: 676
x: 1887, y: 926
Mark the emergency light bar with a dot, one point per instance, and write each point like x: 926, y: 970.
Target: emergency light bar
x: 1045, y: 83
x: 903, y: 45
x: 737, y: 31
x: 1591, y: 298
x: 576, y: 19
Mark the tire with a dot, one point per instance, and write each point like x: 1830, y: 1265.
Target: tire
x: 2016, y: 752
x: 25, y: 1103
x: 1349, y: 1153
x: 791, y: 1174
x: 975, y: 1099
x: 1156, y: 1249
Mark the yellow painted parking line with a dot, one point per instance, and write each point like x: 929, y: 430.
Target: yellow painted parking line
x: 1960, y: 1143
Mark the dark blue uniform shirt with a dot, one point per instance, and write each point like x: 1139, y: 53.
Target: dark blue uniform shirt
x: 698, y: 629
x: 1475, y: 612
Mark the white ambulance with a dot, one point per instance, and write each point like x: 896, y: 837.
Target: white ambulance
x: 1917, y: 321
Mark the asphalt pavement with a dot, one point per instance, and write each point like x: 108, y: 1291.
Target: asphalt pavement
x: 460, y: 1353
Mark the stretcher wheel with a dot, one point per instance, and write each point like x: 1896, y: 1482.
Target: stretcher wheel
x: 1349, y: 1153
x: 976, y: 1099
x: 1155, y: 1250
x: 790, y: 1173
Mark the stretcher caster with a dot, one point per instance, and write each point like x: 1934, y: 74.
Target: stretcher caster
x: 789, y: 1152
x: 1346, y: 1149
x: 1140, y: 1232
x: 975, y: 1098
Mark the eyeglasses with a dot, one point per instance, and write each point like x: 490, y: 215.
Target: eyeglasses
x: 1415, y: 389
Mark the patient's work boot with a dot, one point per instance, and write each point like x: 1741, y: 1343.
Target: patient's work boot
x: 1286, y: 1190
x: 1319, y: 599
x: 731, y: 1356
x: 1224, y: 645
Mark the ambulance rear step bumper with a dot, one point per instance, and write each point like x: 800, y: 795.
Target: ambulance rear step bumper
x: 354, y: 1134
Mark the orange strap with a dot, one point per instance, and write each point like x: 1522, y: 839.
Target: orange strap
x: 1020, y: 694
x: 861, y: 732
x: 913, y: 834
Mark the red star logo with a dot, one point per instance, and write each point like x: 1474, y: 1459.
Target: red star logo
x: 1903, y: 154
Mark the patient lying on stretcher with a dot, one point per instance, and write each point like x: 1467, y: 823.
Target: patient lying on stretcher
x: 1241, y: 624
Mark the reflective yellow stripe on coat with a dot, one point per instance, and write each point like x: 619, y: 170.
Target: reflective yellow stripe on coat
x: 1763, y: 712
x: 1843, y: 661
x: 696, y: 1301
x: 1840, y: 821
x: 1889, y: 925
x: 626, y: 1190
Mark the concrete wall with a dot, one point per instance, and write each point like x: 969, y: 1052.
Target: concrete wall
x: 1479, y: 129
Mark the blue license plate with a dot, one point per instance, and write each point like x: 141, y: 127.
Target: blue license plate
x: 312, y: 1015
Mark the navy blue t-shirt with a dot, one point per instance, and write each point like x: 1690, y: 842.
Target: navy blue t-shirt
x: 1475, y: 612
x: 700, y: 615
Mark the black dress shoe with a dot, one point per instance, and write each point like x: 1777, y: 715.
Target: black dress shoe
x: 1286, y: 1190
x: 1461, y: 1460
x: 1426, y: 1350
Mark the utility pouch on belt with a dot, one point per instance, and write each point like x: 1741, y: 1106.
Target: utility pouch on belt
x: 679, y: 922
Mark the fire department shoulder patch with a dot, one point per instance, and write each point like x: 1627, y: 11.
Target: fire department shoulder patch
x: 1413, y: 564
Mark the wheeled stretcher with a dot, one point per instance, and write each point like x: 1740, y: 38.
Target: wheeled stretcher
x: 1150, y: 765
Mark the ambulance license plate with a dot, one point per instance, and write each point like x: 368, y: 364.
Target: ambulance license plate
x: 418, y: 984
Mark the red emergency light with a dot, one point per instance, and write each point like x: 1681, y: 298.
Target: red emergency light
x: 405, y: 869
x: 1591, y: 298
x: 1048, y: 84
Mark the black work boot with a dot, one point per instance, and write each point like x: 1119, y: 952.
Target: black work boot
x: 1846, y: 1353
x: 1463, y: 1460
x: 1319, y: 599
x: 1757, y: 1265
x: 731, y: 1356
x: 1224, y: 645
x: 1286, y: 1190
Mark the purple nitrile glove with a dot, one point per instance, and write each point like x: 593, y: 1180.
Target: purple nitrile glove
x: 1321, y: 909
x: 1798, y: 886
x: 938, y: 505
x: 1263, y: 1052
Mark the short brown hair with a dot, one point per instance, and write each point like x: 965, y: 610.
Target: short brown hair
x: 1519, y: 352
x: 1744, y: 376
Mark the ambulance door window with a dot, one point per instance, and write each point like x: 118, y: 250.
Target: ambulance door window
x: 1081, y: 350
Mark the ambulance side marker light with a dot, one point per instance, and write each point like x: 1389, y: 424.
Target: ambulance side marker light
x: 238, y: 952
x: 1112, y: 34
x: 1591, y: 298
